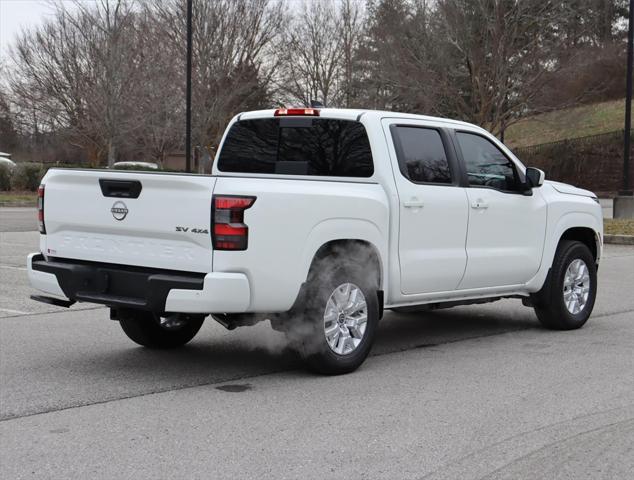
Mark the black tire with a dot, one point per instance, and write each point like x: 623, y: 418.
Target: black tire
x: 145, y: 329
x: 549, y: 302
x: 305, y: 329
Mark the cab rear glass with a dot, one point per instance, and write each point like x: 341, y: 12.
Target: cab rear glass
x: 297, y: 146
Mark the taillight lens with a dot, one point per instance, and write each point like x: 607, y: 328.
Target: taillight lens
x: 229, y: 232
x: 40, y: 208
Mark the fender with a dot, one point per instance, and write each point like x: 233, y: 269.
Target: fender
x: 346, y: 229
x: 566, y: 222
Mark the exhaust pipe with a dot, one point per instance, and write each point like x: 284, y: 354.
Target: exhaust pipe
x: 53, y: 301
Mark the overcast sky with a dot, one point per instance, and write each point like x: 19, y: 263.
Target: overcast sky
x: 17, y: 14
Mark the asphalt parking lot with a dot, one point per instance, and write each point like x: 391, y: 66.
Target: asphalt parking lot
x: 465, y: 393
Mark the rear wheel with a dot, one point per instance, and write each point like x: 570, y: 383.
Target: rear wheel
x: 335, y: 333
x: 566, y: 300
x: 152, y: 331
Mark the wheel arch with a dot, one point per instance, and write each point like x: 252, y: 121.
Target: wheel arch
x: 581, y: 226
x: 587, y: 236
x: 361, y: 251
x: 363, y: 238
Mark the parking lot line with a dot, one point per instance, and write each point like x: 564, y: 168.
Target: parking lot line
x: 12, y: 268
x: 15, y: 312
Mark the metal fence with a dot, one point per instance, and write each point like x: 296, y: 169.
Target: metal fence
x: 615, y: 137
x: 594, y: 162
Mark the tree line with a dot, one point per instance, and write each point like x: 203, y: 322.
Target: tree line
x: 105, y: 81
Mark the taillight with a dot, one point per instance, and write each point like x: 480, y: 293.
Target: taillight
x: 305, y: 112
x: 229, y: 231
x: 40, y: 208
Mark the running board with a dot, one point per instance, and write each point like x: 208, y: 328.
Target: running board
x: 53, y: 301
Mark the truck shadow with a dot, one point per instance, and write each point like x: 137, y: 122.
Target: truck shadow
x: 103, y: 364
x: 216, y: 355
x: 404, y: 331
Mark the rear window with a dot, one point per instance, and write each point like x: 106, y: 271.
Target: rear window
x: 297, y: 146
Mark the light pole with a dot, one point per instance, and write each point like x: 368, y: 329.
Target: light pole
x: 188, y: 93
x: 628, y: 103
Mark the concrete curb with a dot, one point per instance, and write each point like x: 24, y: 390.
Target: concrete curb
x: 619, y: 239
x: 18, y: 204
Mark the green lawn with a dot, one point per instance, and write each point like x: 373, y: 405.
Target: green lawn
x: 618, y: 226
x: 564, y: 124
x: 17, y: 198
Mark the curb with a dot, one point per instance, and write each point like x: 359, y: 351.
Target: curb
x: 618, y: 239
x: 18, y: 204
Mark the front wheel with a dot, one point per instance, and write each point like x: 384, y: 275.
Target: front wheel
x: 335, y: 333
x: 566, y: 300
x: 153, y: 331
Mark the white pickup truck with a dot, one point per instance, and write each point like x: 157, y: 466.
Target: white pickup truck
x: 319, y: 219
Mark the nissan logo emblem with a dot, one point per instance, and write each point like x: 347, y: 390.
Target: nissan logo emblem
x: 119, y: 210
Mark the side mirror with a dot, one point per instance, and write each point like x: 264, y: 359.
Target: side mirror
x: 535, y: 177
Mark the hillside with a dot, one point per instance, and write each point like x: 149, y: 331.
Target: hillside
x: 564, y: 124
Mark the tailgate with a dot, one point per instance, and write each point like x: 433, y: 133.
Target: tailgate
x: 93, y: 216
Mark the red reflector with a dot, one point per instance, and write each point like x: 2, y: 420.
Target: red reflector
x: 306, y: 112
x: 229, y: 246
x: 227, y: 229
x: 226, y: 203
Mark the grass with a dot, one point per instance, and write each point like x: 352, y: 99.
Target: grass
x: 621, y: 226
x: 575, y: 122
x: 8, y: 199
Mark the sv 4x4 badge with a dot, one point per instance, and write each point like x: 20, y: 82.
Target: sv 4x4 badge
x: 192, y: 230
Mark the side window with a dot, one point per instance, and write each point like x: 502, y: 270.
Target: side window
x: 421, y: 154
x: 486, y: 165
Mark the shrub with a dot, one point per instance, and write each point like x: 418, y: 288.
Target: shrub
x: 27, y: 176
x: 5, y: 178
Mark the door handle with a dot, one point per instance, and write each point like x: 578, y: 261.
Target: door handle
x: 413, y: 203
x: 479, y: 204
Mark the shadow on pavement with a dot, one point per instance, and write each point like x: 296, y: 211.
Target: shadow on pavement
x: 83, y: 358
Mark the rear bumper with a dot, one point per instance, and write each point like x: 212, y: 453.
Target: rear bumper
x: 120, y: 286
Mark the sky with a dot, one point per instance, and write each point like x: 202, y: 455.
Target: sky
x: 18, y: 14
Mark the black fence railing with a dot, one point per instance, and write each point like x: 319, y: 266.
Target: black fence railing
x: 594, y: 162
x: 599, y: 139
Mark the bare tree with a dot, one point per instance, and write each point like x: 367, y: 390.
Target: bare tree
x: 75, y: 73
x: 351, y: 20
x: 8, y: 133
x: 397, y: 54
x: 232, y: 62
x: 317, y: 52
x: 108, y: 76
x: 159, y: 102
x: 494, y: 57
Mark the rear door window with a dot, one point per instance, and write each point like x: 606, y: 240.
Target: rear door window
x: 421, y: 154
x: 297, y: 146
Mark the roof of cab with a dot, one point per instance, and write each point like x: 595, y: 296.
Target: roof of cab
x: 355, y: 114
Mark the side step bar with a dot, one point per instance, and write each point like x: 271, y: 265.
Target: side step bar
x: 53, y: 301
